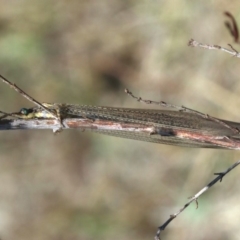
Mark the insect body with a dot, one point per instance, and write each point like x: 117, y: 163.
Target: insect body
x: 159, y: 126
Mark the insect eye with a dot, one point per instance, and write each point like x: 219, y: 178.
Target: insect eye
x: 24, y: 111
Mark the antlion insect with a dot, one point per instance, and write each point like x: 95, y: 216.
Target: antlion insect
x: 180, y: 127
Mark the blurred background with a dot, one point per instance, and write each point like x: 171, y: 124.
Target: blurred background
x: 77, y: 185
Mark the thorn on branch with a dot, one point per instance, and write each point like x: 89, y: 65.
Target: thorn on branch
x: 196, y: 201
x: 233, y: 49
x: 221, y: 174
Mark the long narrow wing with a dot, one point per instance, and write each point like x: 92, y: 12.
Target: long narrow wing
x: 171, y: 127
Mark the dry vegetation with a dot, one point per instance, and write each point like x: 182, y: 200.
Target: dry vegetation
x: 82, y: 186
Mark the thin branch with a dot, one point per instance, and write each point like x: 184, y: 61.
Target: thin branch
x: 73, y: 123
x: 194, y: 198
x: 169, y: 134
x: 161, y: 103
x: 194, y: 43
x: 232, y: 26
x: 28, y: 97
x: 185, y: 109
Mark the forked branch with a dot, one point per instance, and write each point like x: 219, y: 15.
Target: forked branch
x: 195, y: 198
x: 232, y: 51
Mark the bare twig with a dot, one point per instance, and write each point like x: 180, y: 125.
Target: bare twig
x: 194, y: 198
x: 132, y: 130
x: 4, y: 114
x: 28, y: 97
x: 161, y: 103
x: 73, y: 123
x: 194, y: 43
x: 182, y: 108
x: 232, y: 26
